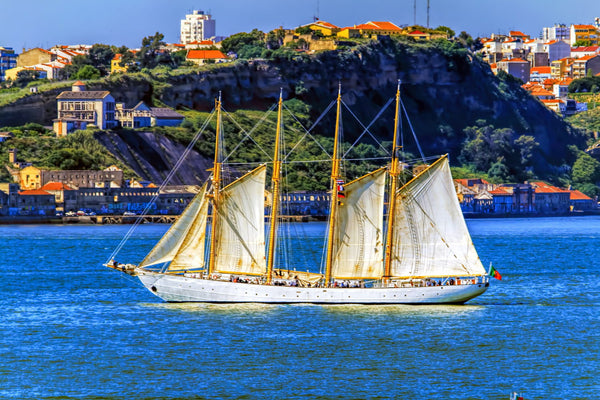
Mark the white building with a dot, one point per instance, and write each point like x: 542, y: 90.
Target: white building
x: 556, y: 32
x: 197, y: 26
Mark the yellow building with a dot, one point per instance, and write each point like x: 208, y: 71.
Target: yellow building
x: 115, y: 64
x: 587, y: 33
x: 30, y: 178
x: 324, y: 27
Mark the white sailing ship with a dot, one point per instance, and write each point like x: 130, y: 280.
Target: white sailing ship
x: 419, y: 253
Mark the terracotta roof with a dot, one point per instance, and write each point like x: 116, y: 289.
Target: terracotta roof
x: 55, y: 186
x: 326, y: 24
x: 501, y: 191
x: 541, y: 70
x: 551, y: 101
x: 586, y: 58
x: 416, y: 33
x: 205, y: 54
x: 577, y: 195
x: 386, y: 25
x: 78, y: 83
x: 582, y: 49
x: 591, y: 27
x: 35, y: 192
x: 543, y: 187
x: 514, y: 60
x: 516, y: 33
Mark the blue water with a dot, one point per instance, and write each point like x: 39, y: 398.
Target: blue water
x: 70, y: 328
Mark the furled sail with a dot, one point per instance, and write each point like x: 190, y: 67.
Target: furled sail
x: 241, y: 225
x: 359, y: 237
x: 190, y: 254
x: 169, y: 244
x: 430, y: 233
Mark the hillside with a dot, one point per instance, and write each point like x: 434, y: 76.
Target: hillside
x: 455, y: 103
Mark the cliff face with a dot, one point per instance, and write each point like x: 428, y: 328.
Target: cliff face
x: 443, y: 91
x: 152, y: 157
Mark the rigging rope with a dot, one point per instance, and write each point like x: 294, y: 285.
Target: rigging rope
x: 178, y: 164
x: 248, y: 134
x: 366, y: 129
x: 413, y: 131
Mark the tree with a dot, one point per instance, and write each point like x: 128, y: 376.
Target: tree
x: 152, y: 52
x: 100, y: 56
x: 88, y: 72
x: 586, y: 170
x: 446, y: 30
x: 235, y: 43
x: 25, y: 76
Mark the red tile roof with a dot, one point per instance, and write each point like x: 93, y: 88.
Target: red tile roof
x: 205, y: 54
x: 55, y: 186
x: 516, y: 33
x: 541, y: 70
x: 386, y: 25
x: 543, y: 187
x: 34, y: 192
x: 501, y: 191
x: 577, y: 195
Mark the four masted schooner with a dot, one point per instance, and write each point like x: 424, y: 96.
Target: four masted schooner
x: 420, y: 252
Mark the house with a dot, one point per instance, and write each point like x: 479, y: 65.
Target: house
x: 416, y: 34
x: 516, y: 67
x: 550, y: 199
x: 161, y: 116
x: 349, y: 32
x: 199, y: 44
x: 203, y: 56
x: 578, y: 52
x: 378, y: 28
x: 36, y: 202
x: 582, y: 66
x: 502, y: 200
x: 65, y: 197
x: 518, y: 35
x: 326, y: 28
x: 581, y: 202
x: 35, y: 178
x: 137, y: 117
x: 79, y: 108
x: 115, y: 64
x: 35, y: 56
x: 13, y: 73
x: 540, y: 74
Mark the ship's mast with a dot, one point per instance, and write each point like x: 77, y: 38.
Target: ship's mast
x: 394, y: 172
x: 216, y: 183
x: 335, y: 176
x: 275, y: 195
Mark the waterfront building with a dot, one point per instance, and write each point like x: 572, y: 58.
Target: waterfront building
x: 550, y: 199
x: 197, y: 26
x: 8, y: 60
x: 581, y: 202
x: 34, y: 202
x: 35, y: 178
x: 78, y: 108
x: 65, y: 197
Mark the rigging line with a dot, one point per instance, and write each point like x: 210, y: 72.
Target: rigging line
x: 412, y: 130
x: 178, y: 164
x: 307, y: 131
x: 248, y: 134
x: 366, y: 130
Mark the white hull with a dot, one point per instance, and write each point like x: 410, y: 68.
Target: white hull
x: 177, y: 288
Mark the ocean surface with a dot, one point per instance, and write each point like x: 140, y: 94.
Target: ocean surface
x: 73, y: 329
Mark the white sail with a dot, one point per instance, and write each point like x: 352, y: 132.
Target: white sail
x: 430, y: 233
x: 241, y: 226
x: 359, y: 237
x: 167, y: 247
x: 191, y: 252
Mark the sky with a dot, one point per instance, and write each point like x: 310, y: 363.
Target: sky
x: 43, y: 23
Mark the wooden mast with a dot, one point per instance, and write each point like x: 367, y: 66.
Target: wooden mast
x: 275, y: 194
x: 335, y: 176
x: 216, y: 182
x: 394, y: 172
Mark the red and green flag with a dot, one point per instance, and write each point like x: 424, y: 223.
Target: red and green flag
x: 494, y: 273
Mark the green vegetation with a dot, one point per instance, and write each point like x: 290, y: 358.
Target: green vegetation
x: 37, y: 145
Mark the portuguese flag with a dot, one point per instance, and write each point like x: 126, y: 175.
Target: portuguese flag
x: 495, y: 273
